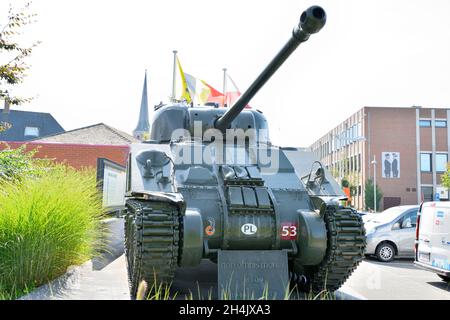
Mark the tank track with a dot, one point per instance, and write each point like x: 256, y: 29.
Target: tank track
x: 345, y: 250
x: 151, y: 242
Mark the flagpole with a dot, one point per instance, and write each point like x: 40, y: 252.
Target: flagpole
x: 174, y: 74
x: 224, y: 85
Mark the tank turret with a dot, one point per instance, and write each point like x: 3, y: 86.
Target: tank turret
x: 172, y: 117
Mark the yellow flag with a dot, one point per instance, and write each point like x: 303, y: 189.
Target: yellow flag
x: 184, y: 88
x: 204, y: 93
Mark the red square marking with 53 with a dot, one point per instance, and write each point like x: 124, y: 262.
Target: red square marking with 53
x: 289, y: 231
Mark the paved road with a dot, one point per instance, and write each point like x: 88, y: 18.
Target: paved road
x: 197, y: 283
x: 372, y: 280
x: 398, y: 280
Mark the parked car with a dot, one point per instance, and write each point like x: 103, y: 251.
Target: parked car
x: 391, y: 233
x: 362, y: 213
x: 369, y: 216
x: 433, y: 238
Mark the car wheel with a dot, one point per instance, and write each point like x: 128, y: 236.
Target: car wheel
x: 385, y: 252
x: 445, y: 278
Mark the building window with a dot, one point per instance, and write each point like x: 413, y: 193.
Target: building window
x: 359, y: 162
x: 31, y: 132
x: 355, y: 133
x: 441, y: 162
x: 425, y: 162
x: 425, y: 123
x: 440, y: 123
x: 427, y: 193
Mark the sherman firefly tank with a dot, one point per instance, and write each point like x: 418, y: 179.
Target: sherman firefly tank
x: 210, y: 185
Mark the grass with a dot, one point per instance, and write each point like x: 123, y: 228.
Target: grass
x: 157, y: 291
x: 163, y: 292
x: 46, y: 225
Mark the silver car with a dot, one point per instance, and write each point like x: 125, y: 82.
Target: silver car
x: 391, y: 233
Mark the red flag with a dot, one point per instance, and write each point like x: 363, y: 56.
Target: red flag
x: 229, y: 98
x: 214, y: 93
x: 232, y: 97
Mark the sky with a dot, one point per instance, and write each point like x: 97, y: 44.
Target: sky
x: 90, y: 65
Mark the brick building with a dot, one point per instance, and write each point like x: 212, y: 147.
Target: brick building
x: 76, y: 155
x: 81, y: 147
x: 409, y: 145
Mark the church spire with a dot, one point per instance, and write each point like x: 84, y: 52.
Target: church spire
x: 143, y: 127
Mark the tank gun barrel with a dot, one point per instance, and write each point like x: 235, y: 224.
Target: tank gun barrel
x: 311, y: 21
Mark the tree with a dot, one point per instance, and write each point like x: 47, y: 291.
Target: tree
x: 345, y: 183
x: 13, y: 55
x: 368, y: 195
x: 445, y: 180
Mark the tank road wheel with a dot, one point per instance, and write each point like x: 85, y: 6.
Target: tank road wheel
x: 151, y: 243
x: 345, y: 250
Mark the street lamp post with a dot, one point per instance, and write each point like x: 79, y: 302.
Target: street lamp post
x: 374, y: 162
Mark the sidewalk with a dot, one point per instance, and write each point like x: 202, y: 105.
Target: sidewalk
x: 86, y: 283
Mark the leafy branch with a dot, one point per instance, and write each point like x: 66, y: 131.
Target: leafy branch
x: 14, y: 70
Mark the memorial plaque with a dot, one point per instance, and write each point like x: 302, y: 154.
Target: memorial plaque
x: 248, y: 275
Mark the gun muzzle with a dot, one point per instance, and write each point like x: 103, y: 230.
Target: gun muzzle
x: 311, y: 21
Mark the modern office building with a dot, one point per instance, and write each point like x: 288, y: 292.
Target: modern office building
x: 407, y: 148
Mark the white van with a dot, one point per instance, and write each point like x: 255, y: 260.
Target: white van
x: 432, y: 246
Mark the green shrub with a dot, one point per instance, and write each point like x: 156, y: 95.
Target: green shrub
x: 47, y: 224
x: 345, y: 183
x: 368, y: 195
x: 18, y: 164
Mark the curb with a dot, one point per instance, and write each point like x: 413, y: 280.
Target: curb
x: 347, y: 293
x: 56, y: 289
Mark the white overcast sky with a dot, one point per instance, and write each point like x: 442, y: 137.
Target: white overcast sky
x: 90, y: 65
